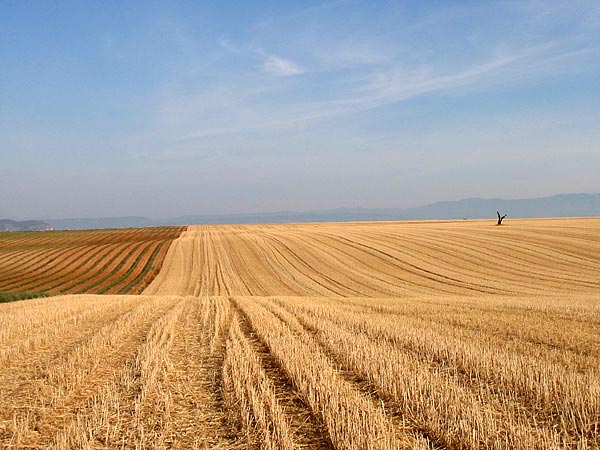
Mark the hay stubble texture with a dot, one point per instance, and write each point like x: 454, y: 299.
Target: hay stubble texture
x: 431, y: 335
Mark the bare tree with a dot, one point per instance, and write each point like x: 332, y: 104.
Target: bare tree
x: 500, y: 218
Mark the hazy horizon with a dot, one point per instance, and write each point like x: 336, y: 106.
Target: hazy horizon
x: 316, y: 212
x: 160, y: 109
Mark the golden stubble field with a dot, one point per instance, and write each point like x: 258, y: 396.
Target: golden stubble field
x: 431, y: 335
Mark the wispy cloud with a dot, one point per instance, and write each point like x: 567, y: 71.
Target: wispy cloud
x: 281, y: 67
x: 351, y: 74
x: 271, y: 64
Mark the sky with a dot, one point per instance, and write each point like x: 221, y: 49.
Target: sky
x: 162, y: 109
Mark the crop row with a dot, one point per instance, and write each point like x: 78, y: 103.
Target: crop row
x: 98, y: 261
x: 398, y: 259
x: 291, y: 373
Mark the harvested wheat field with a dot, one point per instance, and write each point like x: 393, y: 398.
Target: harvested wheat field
x: 431, y: 335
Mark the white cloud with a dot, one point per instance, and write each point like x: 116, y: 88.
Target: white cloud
x: 281, y: 67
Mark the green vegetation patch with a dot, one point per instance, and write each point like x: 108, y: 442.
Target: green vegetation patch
x: 14, y: 296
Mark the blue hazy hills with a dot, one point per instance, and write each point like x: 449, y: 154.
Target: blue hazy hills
x: 562, y: 205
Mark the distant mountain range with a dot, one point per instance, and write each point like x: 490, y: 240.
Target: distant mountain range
x: 105, y: 222
x: 563, y: 205
x: 27, y: 225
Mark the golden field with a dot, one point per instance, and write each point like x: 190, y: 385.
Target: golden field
x: 391, y: 335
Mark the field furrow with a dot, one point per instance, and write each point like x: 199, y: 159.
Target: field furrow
x: 99, y: 261
x: 129, y: 269
x: 405, y: 436
x: 321, y: 387
x: 198, y: 418
x: 454, y: 393
x: 42, y: 370
x: 54, y: 279
x: 382, y: 260
x: 81, y: 375
x: 48, y: 269
x: 18, y: 261
x: 303, y: 428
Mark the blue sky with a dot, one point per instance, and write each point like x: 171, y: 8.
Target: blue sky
x: 171, y: 108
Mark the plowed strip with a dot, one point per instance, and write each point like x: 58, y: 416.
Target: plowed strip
x: 54, y: 277
x: 49, y: 262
